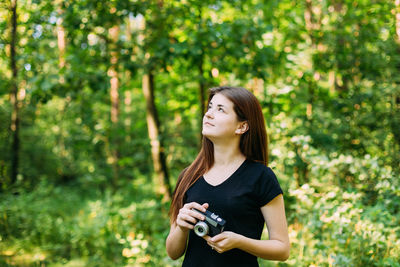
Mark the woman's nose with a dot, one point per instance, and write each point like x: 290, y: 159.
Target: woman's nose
x: 209, y: 113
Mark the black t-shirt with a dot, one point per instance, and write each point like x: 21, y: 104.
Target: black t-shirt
x: 237, y: 200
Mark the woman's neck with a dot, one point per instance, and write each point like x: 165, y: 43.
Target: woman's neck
x: 225, y: 155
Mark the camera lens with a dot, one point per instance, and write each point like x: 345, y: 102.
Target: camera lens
x: 201, y: 229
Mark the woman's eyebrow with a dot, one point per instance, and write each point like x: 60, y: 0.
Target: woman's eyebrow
x: 219, y: 105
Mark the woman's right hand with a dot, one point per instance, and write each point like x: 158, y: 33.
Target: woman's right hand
x: 178, y: 235
x: 187, y: 217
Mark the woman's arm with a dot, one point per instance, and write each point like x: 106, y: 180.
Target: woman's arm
x: 176, y: 241
x: 179, y: 231
x: 276, y: 248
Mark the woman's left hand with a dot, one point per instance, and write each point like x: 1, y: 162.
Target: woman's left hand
x: 224, y: 241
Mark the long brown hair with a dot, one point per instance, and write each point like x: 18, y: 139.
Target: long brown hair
x: 253, y: 143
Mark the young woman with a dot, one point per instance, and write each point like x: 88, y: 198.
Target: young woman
x: 230, y: 178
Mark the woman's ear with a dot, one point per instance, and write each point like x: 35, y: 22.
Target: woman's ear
x: 242, y: 127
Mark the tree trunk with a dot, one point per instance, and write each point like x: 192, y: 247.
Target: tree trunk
x: 157, y: 149
x: 395, y: 107
x: 65, y: 169
x: 397, y: 4
x: 14, y: 95
x: 202, y: 96
x: 113, y: 73
x: 128, y: 93
x: 127, y: 115
x: 202, y: 84
x: 114, y: 98
x: 309, y: 19
x: 60, y: 38
x: 310, y: 27
x: 341, y: 83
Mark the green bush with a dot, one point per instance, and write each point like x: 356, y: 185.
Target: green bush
x: 59, y: 224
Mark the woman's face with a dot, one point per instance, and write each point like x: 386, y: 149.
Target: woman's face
x: 220, y: 120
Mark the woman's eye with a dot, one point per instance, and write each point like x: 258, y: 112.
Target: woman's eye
x: 220, y: 109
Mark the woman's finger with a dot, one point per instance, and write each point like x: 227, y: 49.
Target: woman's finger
x: 190, y: 215
x: 197, y: 215
x: 207, y: 238
x: 188, y: 218
x: 218, y: 237
x: 216, y: 248
x: 195, y: 205
x: 184, y: 224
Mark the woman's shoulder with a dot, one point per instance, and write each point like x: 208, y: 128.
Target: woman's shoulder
x: 262, y: 181
x: 255, y: 171
x: 258, y: 166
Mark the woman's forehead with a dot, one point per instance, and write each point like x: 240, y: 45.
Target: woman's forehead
x: 220, y: 99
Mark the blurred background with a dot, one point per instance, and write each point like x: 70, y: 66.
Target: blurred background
x: 101, y: 105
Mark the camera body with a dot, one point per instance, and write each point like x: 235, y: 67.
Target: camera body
x: 212, y: 225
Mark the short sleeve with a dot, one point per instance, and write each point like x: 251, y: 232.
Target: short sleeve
x: 267, y: 187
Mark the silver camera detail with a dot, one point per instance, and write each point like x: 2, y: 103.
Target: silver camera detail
x: 211, y: 225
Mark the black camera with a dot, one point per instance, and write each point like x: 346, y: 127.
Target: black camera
x: 211, y: 225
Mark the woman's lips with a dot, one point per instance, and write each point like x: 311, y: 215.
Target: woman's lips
x: 207, y: 123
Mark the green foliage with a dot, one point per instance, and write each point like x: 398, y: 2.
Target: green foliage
x: 74, y: 223
x: 337, y: 226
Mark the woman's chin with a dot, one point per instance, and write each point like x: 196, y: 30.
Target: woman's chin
x: 207, y: 134
x: 204, y: 132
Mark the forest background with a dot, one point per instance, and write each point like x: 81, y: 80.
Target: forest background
x: 101, y: 105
